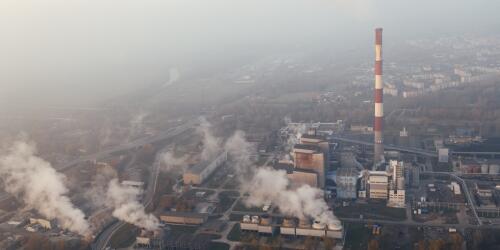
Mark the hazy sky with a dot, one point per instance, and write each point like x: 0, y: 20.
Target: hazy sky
x: 77, y: 49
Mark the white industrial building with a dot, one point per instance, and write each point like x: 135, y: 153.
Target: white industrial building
x: 196, y: 174
x: 397, y: 194
x: 346, y: 180
x: 443, y: 155
x: 378, y: 183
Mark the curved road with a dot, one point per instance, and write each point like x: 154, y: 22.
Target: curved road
x: 102, y: 240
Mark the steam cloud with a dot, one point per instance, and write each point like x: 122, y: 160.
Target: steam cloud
x: 137, y: 125
x: 296, y: 131
x: 172, y: 163
x: 127, y: 207
x: 211, y: 144
x: 240, y: 151
x: 99, y: 187
x: 211, y: 148
x: 40, y: 186
x: 266, y: 185
x: 271, y: 186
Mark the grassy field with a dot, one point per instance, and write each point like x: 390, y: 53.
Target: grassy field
x: 371, y: 211
x: 357, y: 236
x: 235, y: 233
x: 183, y: 229
x: 218, y: 246
x: 242, y: 236
x: 240, y: 206
x: 235, y: 217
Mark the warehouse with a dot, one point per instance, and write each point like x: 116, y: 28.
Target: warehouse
x: 184, y: 218
x: 196, y: 174
x: 290, y: 227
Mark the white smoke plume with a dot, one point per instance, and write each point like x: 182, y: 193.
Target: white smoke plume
x: 137, y: 124
x: 40, y: 186
x: 240, y: 150
x: 272, y: 186
x: 124, y: 199
x: 266, y: 185
x: 173, y: 76
x: 169, y: 162
x: 99, y: 187
x: 211, y: 144
x: 295, y: 131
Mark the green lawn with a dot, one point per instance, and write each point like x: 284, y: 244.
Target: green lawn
x: 371, y: 211
x: 357, y: 236
x: 235, y: 233
x: 218, y: 246
x: 240, y: 206
x: 235, y: 217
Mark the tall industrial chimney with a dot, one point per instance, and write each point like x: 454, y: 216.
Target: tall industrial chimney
x: 379, y: 105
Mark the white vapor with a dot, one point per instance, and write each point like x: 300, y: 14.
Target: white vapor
x: 169, y: 162
x: 99, y: 186
x: 211, y: 144
x: 127, y: 207
x: 266, y: 185
x: 240, y: 150
x: 40, y: 186
x: 272, y: 186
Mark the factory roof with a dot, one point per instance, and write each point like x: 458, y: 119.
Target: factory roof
x: 307, y: 147
x: 197, y: 168
x: 200, y: 166
x: 185, y: 214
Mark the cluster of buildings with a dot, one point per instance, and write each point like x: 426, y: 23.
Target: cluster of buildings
x: 447, y: 71
x: 33, y: 223
x: 487, y: 196
x: 477, y: 166
x: 311, y: 156
x: 389, y: 185
x: 290, y: 227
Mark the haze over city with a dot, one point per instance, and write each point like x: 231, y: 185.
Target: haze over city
x: 249, y: 124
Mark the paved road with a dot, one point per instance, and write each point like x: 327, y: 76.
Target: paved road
x: 105, y: 236
x: 414, y: 223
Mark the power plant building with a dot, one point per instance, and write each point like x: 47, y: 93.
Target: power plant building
x: 310, y: 157
x: 290, y: 227
x: 298, y: 177
x: 378, y: 184
x: 397, y: 198
x: 346, y: 180
x: 397, y: 192
x: 443, y: 155
x: 196, y: 174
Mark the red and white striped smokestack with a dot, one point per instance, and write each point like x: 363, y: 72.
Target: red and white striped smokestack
x: 379, y: 104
